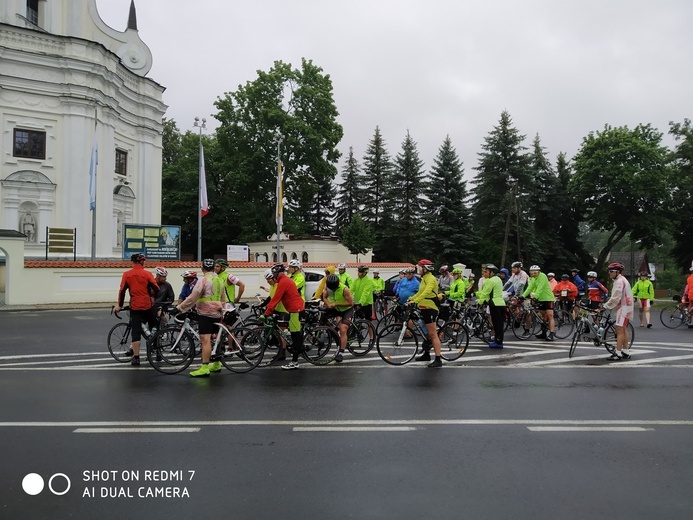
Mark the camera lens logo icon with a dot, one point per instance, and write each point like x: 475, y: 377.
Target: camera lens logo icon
x: 33, y: 484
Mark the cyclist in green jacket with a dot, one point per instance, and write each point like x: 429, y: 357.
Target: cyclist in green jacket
x: 539, y: 289
x: 344, y: 277
x: 643, y: 292
x: 426, y: 298
x: 491, y: 292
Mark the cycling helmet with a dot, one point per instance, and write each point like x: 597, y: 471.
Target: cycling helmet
x: 575, y: 270
x: 278, y: 268
x: 362, y: 269
x: 591, y: 274
x: 425, y: 265
x: 616, y: 266
x: 565, y: 277
x: 161, y: 271
x: 517, y: 264
x: 189, y: 274
x: 221, y: 262
x: 138, y: 257
x: 690, y: 270
x: 491, y: 267
x: 208, y: 264
x: 535, y: 268
x: 457, y: 270
x: 410, y: 270
x: 341, y: 266
x: 269, y: 274
x: 295, y: 263
x: 642, y: 273
x: 332, y: 282
x: 443, y: 269
x: 472, y: 275
x: 376, y: 271
x: 403, y: 270
x: 551, y: 275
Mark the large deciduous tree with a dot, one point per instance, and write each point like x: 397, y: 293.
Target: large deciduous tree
x: 682, y: 192
x: 622, y: 180
x: 299, y: 105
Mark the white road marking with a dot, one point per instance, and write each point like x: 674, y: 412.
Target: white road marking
x: 136, y: 430
x: 354, y: 428
x: 589, y: 429
x: 31, y: 356
x: 652, y: 360
x: 343, y: 423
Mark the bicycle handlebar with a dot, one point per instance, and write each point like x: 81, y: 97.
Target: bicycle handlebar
x: 117, y: 315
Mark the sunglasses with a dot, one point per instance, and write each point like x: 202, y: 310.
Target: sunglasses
x: 613, y: 270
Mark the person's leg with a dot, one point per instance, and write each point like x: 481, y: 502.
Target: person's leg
x: 647, y: 313
x: 498, y: 317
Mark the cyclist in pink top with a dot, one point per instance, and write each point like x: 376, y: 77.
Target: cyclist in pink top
x: 621, y: 302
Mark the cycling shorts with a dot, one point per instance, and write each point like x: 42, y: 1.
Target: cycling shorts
x: 205, y: 324
x: 346, y: 316
x: 545, y: 306
x: 366, y: 312
x: 429, y: 315
x: 622, y: 317
x: 643, y: 303
x: 137, y: 318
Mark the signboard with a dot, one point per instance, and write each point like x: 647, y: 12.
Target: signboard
x: 157, y: 242
x: 237, y: 253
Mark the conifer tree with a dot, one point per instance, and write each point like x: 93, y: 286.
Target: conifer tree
x: 449, y: 236
x: 348, y: 193
x: 375, y: 179
x: 502, y: 172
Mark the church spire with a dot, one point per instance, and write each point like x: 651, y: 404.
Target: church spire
x: 132, y: 18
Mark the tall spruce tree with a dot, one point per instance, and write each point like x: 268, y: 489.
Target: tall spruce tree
x: 500, y: 186
x: 402, y: 232
x: 449, y: 237
x: 348, y: 193
x: 375, y: 179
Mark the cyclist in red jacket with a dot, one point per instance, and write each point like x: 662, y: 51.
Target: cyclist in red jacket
x: 143, y: 289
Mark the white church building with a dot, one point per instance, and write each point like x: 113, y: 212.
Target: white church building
x: 68, y: 80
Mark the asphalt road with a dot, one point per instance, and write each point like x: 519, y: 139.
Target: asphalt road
x: 521, y: 433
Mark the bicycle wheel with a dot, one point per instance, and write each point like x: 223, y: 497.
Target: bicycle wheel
x: 576, y: 338
x: 523, y: 325
x: 248, y: 346
x: 320, y: 344
x: 397, y: 344
x: 171, y: 350
x: 119, y: 342
x: 271, y: 344
x: 672, y: 317
x: 453, y: 341
x: 360, y: 337
x: 563, y: 324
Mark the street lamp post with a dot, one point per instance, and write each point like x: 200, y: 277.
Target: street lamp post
x: 201, y: 126
x: 278, y: 138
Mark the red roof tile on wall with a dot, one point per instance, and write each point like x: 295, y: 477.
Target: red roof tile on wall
x: 114, y: 264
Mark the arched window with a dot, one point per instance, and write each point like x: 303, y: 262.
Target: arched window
x: 294, y: 256
x: 304, y: 257
x: 284, y: 257
x: 274, y: 257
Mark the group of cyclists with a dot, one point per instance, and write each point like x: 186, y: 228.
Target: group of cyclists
x: 343, y: 297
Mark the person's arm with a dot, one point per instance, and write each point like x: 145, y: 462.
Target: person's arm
x: 278, y: 294
x: 195, y: 295
x: 616, y: 294
x: 239, y: 291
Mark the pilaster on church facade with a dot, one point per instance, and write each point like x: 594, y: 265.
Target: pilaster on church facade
x: 66, y: 77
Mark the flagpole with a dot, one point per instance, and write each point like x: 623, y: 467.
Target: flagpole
x: 280, y: 194
x: 93, y: 162
x: 199, y: 189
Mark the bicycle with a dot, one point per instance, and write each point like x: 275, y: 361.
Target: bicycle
x: 673, y: 317
x: 528, y: 321
x: 398, y: 343
x: 119, y: 337
x: 320, y: 342
x: 173, y: 348
x: 597, y: 327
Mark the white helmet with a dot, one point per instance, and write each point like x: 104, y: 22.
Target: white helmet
x: 189, y: 274
x: 535, y: 268
x: 269, y: 274
x: 593, y: 274
x: 161, y: 271
x: 341, y: 266
x: 551, y: 274
x: 295, y: 263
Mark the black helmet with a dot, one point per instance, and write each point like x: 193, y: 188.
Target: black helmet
x: 138, y: 257
x: 565, y: 277
x: 208, y: 264
x: 362, y: 269
x: 575, y: 270
x: 332, y: 282
x: 278, y: 268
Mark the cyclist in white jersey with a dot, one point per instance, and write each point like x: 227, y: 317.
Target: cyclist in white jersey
x: 621, y: 304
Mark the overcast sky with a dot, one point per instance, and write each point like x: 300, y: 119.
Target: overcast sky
x: 435, y: 67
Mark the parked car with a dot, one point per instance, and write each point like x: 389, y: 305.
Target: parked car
x: 313, y: 279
